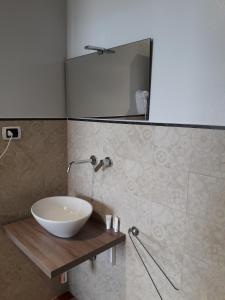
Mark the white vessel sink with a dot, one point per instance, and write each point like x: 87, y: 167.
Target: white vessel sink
x: 62, y: 216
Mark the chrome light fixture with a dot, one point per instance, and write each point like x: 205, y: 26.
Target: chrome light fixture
x: 100, y: 50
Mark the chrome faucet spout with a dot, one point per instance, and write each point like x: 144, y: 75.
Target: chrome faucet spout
x: 69, y: 167
x: 92, y: 160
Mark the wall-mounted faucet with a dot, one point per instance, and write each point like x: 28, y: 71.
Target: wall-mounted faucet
x: 92, y: 160
x: 103, y: 164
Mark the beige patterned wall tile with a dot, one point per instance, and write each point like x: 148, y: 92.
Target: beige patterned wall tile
x: 99, y: 278
x: 138, y: 284
x: 205, y: 241
x: 167, y: 242
x: 208, y: 155
x: 194, y: 279
x: 124, y: 175
x: 200, y: 282
x: 180, y: 214
x: 199, y: 194
x: 215, y: 284
x: 81, y: 179
x: 131, y: 143
x: 34, y: 167
x: 206, y: 198
x: 110, y: 189
x: 89, y: 139
x: 159, y: 184
x: 206, y: 224
x: 172, y: 147
x: 168, y: 187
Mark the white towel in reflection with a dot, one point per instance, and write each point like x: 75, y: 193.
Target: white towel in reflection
x: 141, y: 101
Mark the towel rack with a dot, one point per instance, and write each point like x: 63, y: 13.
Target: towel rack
x: 134, y: 231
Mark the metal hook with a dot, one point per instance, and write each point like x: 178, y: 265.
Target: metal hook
x: 134, y: 231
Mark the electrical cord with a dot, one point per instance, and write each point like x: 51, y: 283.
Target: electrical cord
x: 7, y: 147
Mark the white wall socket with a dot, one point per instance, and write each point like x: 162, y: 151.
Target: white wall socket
x: 16, y: 131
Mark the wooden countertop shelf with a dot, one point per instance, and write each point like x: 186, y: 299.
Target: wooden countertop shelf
x: 55, y: 255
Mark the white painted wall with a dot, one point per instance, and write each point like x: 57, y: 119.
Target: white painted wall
x: 188, y: 84
x: 32, y: 52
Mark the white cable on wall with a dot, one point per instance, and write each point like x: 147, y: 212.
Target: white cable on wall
x: 7, y: 147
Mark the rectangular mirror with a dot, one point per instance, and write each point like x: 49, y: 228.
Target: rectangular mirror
x: 110, y: 83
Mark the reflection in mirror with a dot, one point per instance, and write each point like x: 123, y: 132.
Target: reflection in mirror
x: 110, y: 84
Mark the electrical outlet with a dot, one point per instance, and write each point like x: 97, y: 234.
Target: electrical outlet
x: 16, y: 131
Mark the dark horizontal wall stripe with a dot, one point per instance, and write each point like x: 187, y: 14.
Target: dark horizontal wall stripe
x: 119, y: 122
x: 125, y: 116
x: 32, y: 119
x: 151, y: 124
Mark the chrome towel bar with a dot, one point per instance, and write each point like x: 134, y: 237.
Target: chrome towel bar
x: 134, y: 231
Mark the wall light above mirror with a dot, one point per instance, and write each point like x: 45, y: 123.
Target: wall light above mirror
x: 110, y: 83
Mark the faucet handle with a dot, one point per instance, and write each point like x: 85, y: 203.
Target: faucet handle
x: 104, y: 163
x: 107, y: 162
x: 99, y: 166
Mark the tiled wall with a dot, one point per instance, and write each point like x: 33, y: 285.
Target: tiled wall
x: 33, y: 168
x: 170, y: 182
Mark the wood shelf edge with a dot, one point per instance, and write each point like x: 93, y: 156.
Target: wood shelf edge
x: 85, y: 258
x: 92, y: 245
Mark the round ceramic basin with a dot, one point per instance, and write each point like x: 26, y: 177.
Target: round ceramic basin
x: 62, y: 216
